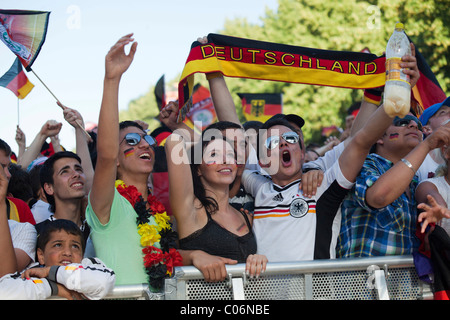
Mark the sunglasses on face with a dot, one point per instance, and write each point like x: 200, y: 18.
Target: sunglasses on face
x: 404, y: 122
x: 133, y: 139
x: 273, y: 141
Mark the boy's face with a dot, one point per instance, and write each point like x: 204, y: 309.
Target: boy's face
x: 284, y: 162
x: 62, y: 249
x: 68, y: 180
x: 138, y: 158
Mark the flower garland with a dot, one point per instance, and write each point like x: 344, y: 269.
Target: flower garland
x: 158, y: 262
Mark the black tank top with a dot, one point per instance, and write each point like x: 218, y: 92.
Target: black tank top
x: 218, y: 241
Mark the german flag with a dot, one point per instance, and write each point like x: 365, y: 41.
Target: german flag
x: 245, y: 58
x: 427, y: 90
x: 261, y: 106
x: 15, y: 80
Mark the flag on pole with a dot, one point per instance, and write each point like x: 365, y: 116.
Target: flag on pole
x: 16, y: 80
x: 261, y: 106
x: 24, y: 33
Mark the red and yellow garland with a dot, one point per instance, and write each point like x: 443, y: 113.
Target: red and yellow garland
x: 154, y: 227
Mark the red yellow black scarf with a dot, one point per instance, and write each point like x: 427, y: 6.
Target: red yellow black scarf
x: 244, y: 58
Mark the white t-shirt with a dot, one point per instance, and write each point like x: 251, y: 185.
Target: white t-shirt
x: 41, y: 211
x: 291, y: 227
x: 23, y: 235
x: 428, y: 168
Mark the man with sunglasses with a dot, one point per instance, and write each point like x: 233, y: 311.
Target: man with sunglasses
x: 288, y: 225
x: 379, y: 216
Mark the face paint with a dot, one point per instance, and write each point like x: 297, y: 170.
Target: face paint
x: 393, y: 136
x: 129, y: 152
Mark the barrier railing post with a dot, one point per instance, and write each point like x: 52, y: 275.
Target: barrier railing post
x: 380, y: 285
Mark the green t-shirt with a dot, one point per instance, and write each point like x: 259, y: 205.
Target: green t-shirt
x: 117, y: 243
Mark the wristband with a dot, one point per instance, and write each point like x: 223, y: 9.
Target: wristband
x: 409, y: 165
x: 52, y: 273
x: 53, y: 287
x: 373, y: 96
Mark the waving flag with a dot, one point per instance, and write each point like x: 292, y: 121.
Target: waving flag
x: 244, y: 58
x: 261, y: 106
x: 24, y: 33
x: 15, y: 80
x: 427, y: 90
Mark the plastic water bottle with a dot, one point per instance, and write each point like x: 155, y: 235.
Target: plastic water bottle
x: 397, y: 89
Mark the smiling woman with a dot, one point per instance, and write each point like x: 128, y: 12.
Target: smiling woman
x: 212, y: 232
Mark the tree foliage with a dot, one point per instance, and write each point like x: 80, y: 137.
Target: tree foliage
x: 345, y: 25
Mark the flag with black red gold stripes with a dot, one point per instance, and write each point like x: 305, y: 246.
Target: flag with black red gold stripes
x: 261, y: 106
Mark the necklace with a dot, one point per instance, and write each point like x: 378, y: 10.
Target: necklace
x: 157, y: 237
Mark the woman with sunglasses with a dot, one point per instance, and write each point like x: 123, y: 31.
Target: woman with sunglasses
x: 121, y: 210
x: 212, y: 232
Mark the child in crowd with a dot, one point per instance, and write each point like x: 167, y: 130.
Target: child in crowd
x: 61, y: 270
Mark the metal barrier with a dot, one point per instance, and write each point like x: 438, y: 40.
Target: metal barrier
x: 390, y: 277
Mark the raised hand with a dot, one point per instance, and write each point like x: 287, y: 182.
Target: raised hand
x: 117, y: 61
x: 432, y: 212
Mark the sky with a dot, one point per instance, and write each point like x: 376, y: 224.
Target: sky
x: 80, y: 33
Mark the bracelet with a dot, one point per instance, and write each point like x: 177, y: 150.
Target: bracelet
x: 408, y: 164
x: 373, y: 96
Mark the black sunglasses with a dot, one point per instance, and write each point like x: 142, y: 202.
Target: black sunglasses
x: 273, y: 141
x: 134, y: 138
x: 404, y: 122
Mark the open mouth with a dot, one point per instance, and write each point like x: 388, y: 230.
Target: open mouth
x: 145, y: 156
x: 286, y: 157
x: 225, y: 171
x: 77, y: 185
x: 65, y: 262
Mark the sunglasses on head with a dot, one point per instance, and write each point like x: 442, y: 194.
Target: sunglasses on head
x: 134, y: 138
x: 273, y: 141
x: 404, y: 122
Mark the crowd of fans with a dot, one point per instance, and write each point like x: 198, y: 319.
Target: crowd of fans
x: 127, y: 207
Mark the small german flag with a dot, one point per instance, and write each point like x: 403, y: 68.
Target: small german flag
x: 15, y: 80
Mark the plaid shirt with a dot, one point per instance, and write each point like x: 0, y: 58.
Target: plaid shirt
x: 366, y: 231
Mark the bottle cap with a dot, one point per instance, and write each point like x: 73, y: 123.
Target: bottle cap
x: 399, y: 25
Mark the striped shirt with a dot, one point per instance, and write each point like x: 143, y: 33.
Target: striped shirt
x: 291, y: 227
x: 366, y: 231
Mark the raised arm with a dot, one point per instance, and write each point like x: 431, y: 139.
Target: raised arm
x: 50, y: 128
x: 223, y: 102
x: 21, y: 142
x: 393, y: 183
x: 116, y: 63
x: 82, y: 149
x: 354, y: 154
x: 181, y: 188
